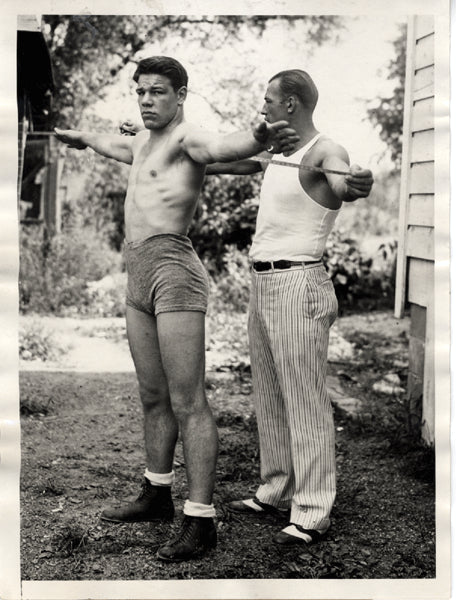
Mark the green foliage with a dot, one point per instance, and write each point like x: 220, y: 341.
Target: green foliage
x: 105, y: 298
x: 360, y: 282
x: 33, y: 405
x: 55, y: 271
x: 225, y: 217
x: 89, y: 51
x: 80, y: 275
x: 96, y: 191
x: 388, y: 112
x: 231, y: 287
x: 376, y: 215
x: 71, y: 538
x: 38, y: 343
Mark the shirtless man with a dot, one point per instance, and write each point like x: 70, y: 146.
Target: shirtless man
x: 167, y: 292
x: 292, y: 308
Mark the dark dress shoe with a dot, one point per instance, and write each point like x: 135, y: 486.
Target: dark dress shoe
x: 239, y: 506
x: 295, y: 534
x: 153, y: 504
x: 196, y: 537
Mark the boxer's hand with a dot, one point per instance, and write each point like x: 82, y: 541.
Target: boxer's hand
x: 129, y: 127
x: 70, y: 137
x: 275, y: 137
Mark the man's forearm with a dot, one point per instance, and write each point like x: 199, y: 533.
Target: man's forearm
x: 339, y: 188
x: 357, y: 183
x: 109, y: 145
x: 239, y: 167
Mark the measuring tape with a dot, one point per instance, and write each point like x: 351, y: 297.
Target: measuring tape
x: 283, y: 163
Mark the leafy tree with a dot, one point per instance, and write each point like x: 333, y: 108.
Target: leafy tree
x: 89, y: 51
x: 226, y: 216
x: 388, y: 112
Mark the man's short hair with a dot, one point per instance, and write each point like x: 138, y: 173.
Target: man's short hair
x: 163, y: 65
x: 298, y: 83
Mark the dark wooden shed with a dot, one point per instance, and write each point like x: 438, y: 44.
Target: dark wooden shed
x: 37, y: 151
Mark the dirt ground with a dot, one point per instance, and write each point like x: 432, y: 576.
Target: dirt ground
x: 82, y: 450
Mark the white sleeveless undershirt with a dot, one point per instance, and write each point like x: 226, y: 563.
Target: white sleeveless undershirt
x: 290, y: 224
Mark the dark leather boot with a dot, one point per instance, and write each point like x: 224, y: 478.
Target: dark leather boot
x: 196, y: 537
x: 154, y: 503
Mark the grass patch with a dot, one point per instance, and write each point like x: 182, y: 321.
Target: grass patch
x: 71, y: 538
x: 35, y: 406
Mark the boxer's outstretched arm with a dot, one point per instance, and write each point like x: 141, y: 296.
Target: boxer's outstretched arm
x: 118, y: 147
x: 206, y: 147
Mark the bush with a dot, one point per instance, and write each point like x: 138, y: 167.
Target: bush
x: 55, y: 270
x: 360, y: 282
x: 376, y: 215
x: 38, y: 343
x: 106, y: 296
x: 231, y: 286
x: 225, y: 217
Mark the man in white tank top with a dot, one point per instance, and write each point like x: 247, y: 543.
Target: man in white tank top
x: 292, y: 308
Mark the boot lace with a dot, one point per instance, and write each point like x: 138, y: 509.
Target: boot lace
x: 188, y: 532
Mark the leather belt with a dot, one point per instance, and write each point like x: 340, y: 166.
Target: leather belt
x: 281, y: 264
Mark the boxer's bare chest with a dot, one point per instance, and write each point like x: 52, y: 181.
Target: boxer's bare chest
x: 152, y: 160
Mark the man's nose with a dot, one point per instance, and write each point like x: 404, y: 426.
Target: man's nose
x: 264, y: 110
x: 146, y: 100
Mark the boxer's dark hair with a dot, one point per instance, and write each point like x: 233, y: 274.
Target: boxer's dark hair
x: 163, y: 65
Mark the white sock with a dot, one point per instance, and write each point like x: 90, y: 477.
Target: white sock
x: 195, y: 509
x: 165, y: 479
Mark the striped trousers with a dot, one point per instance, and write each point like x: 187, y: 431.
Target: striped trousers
x: 290, y: 314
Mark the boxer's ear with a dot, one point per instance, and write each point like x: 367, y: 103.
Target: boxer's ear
x: 181, y: 95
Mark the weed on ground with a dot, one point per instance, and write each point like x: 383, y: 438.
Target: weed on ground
x: 82, y: 450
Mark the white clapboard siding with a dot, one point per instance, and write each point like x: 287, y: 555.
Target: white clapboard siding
x: 415, y: 262
x: 420, y: 242
x: 424, y: 26
x: 421, y: 178
x: 423, y: 83
x: 421, y: 210
x: 423, y: 114
x: 421, y: 277
x: 424, y: 52
x: 422, y: 149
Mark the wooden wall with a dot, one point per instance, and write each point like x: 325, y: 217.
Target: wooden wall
x: 415, y: 267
